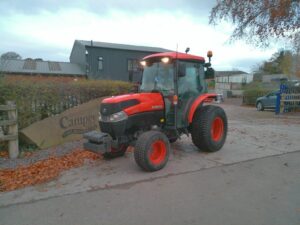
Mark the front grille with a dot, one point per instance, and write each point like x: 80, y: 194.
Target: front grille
x: 106, y: 128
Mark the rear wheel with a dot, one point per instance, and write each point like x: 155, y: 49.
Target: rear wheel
x: 209, y: 128
x: 152, y: 150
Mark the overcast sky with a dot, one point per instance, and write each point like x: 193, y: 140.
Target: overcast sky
x: 47, y: 28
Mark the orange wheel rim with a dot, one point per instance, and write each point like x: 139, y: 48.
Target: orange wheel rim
x: 158, y: 152
x: 217, y: 129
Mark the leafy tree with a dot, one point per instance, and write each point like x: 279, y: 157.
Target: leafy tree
x: 282, y: 62
x: 257, y: 21
x: 3, y: 61
x: 10, y: 55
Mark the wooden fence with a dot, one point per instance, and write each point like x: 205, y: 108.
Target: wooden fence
x: 9, y: 125
x: 289, y: 102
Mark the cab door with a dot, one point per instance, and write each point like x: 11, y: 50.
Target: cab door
x: 190, y: 86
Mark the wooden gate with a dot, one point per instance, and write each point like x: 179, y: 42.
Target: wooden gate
x: 9, y: 128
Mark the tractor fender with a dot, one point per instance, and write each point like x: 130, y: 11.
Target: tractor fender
x: 208, y: 97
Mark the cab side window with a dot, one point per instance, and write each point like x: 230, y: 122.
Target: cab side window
x: 190, y: 82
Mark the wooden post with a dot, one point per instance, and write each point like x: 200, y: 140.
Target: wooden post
x: 13, y: 145
x: 282, y: 103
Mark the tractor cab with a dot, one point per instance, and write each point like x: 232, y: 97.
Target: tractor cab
x: 180, y: 78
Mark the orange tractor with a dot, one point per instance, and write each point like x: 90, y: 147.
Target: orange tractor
x: 170, y: 102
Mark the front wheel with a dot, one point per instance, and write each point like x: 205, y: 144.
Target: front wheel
x: 209, y: 128
x: 115, y: 153
x: 173, y: 140
x: 152, y: 151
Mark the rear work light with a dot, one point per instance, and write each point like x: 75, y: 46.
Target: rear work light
x: 175, y: 100
x: 165, y: 60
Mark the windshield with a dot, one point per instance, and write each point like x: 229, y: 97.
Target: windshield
x: 158, y: 77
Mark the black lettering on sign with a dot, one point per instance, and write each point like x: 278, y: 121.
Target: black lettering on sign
x: 63, y: 122
x: 78, y: 124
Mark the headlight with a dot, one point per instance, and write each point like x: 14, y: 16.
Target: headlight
x: 119, y: 116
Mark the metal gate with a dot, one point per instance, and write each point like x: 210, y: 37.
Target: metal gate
x: 288, y: 98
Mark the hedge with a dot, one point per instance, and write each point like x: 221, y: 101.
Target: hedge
x: 36, y: 101
x: 254, y: 90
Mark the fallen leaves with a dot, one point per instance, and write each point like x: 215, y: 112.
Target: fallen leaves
x: 42, y: 171
x: 3, y: 154
x: 130, y: 149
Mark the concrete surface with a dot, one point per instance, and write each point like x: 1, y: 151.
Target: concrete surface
x: 263, y: 191
x: 194, y: 188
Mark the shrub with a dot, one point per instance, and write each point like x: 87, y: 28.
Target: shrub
x: 254, y: 90
x: 211, y: 84
x: 36, y: 101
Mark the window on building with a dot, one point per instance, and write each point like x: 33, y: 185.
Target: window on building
x: 100, y: 63
x: 54, y: 66
x: 133, y: 65
x: 29, y: 64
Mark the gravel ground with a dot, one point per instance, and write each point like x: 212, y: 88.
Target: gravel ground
x: 61, y: 150
x: 235, y: 110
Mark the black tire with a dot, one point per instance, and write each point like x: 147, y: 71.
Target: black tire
x: 116, y: 153
x: 203, y: 126
x: 260, y: 106
x: 173, y: 140
x: 144, y: 150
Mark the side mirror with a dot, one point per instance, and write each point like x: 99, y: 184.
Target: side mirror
x: 209, y: 73
x: 181, y: 70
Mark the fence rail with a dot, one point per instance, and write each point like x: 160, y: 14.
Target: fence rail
x: 12, y: 128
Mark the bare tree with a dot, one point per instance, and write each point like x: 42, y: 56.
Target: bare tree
x: 258, y: 21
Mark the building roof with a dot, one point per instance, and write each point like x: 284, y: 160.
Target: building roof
x: 229, y: 73
x: 177, y: 55
x: 121, y: 46
x: 30, y: 66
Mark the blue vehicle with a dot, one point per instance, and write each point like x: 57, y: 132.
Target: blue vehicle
x: 267, y: 102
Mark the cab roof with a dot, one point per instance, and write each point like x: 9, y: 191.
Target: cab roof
x: 176, y: 55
